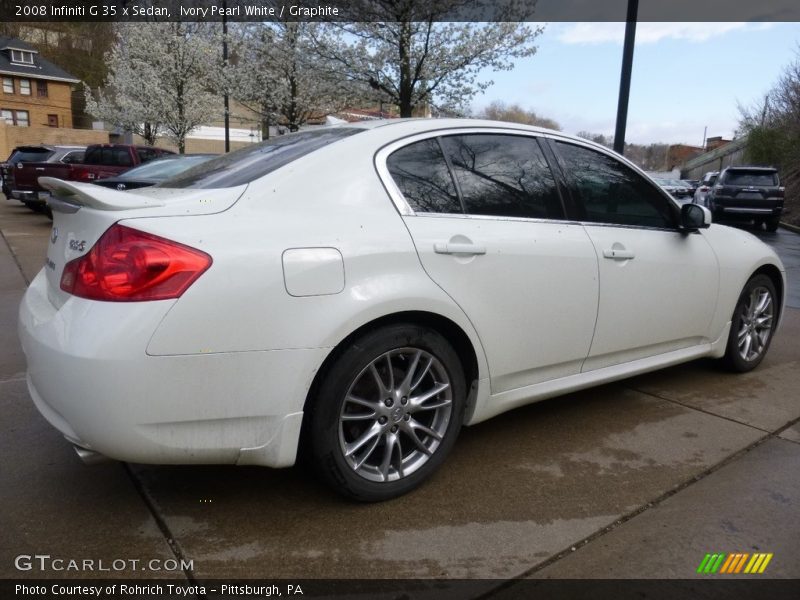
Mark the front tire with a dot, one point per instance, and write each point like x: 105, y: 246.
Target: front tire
x: 387, y: 412
x: 752, y: 325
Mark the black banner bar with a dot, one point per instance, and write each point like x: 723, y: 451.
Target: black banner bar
x: 707, y: 588
x: 395, y: 10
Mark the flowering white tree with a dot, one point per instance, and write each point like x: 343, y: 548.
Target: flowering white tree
x: 278, y: 76
x: 411, y: 58
x: 160, y: 77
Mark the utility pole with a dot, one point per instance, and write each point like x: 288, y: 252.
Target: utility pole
x: 225, y: 66
x: 625, y: 77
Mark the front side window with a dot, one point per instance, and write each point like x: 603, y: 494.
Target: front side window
x: 8, y: 85
x: 503, y: 176
x: 611, y: 192
x: 25, y: 87
x: 421, y: 173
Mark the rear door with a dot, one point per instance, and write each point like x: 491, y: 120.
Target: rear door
x: 658, y: 286
x: 488, y: 224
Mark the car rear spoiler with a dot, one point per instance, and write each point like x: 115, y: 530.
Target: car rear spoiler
x: 69, y: 196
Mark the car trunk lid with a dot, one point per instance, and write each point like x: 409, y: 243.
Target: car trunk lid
x: 83, y: 212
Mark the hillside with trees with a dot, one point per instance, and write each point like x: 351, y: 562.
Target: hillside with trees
x: 772, y: 128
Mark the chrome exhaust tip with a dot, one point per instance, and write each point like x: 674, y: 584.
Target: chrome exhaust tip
x: 90, y: 457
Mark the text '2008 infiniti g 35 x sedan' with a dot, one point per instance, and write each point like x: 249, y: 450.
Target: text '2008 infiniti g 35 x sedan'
x: 357, y: 293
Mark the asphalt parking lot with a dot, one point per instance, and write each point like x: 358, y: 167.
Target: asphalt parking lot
x: 656, y: 470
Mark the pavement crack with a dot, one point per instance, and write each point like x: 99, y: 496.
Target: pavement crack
x: 172, y: 542
x: 641, y: 509
x: 16, y: 260
x: 702, y: 410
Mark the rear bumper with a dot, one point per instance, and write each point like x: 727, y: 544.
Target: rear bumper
x: 30, y: 197
x: 90, y: 377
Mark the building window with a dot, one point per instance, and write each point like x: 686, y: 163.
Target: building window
x: 19, y: 118
x: 52, y: 120
x: 25, y: 87
x: 19, y: 56
x: 8, y: 85
x: 41, y: 88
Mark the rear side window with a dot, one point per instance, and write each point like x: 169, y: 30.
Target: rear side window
x: 247, y: 164
x: 611, y: 192
x: 754, y: 178
x: 421, y: 173
x: 503, y: 176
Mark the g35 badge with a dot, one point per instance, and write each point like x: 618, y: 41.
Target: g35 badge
x: 78, y: 246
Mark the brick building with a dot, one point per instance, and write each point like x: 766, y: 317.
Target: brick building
x: 35, y: 92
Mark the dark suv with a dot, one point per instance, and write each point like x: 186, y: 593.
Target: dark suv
x: 747, y: 194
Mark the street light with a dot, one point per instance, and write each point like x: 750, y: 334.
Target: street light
x: 625, y: 76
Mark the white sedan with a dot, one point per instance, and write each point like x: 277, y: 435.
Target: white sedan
x: 357, y: 293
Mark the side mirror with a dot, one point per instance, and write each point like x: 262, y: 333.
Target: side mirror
x: 694, y: 217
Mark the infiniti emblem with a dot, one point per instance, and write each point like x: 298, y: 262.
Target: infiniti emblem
x: 54, y: 235
x: 121, y: 186
x: 397, y: 414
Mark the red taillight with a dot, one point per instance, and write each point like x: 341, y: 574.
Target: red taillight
x: 127, y: 265
x: 82, y: 174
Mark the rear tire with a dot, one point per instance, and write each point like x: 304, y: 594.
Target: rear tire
x: 772, y: 223
x: 752, y: 325
x: 387, y: 412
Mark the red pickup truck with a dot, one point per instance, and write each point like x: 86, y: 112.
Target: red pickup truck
x: 99, y: 161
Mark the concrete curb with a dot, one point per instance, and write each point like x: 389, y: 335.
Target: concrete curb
x: 793, y: 228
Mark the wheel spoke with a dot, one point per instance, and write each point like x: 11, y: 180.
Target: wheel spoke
x: 368, y: 453
x: 745, y: 347
x: 370, y: 433
x: 390, y: 440
x: 390, y: 370
x: 406, y: 384
x: 384, y: 391
x: 416, y: 403
x: 419, y: 379
x: 415, y: 438
x: 414, y: 424
x: 763, y: 304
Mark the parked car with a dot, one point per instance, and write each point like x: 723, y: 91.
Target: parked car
x: 692, y: 184
x: 99, y: 161
x: 748, y: 194
x: 675, y: 188
x: 27, y: 169
x: 357, y: 293
x: 154, y: 172
x: 23, y: 154
x: 701, y: 193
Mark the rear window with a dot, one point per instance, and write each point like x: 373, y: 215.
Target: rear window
x: 30, y: 155
x: 754, y: 178
x: 247, y: 164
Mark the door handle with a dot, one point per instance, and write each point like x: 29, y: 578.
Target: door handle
x: 451, y: 248
x: 618, y: 254
x: 40, y: 168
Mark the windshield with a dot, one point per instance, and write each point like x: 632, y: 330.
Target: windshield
x: 249, y: 163
x: 756, y: 178
x: 164, y: 168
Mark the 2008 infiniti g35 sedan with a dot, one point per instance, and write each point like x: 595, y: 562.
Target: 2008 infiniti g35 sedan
x: 358, y: 293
